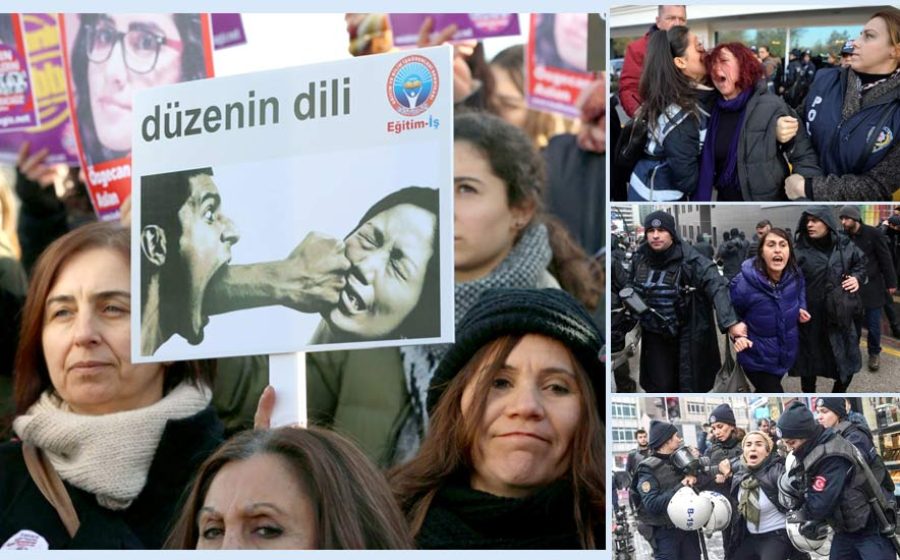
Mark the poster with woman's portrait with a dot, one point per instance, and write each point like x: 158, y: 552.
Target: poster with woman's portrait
x: 109, y: 57
x: 300, y: 209
x: 556, y: 62
x: 18, y: 107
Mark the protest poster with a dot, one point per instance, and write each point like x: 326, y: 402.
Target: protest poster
x: 556, y: 62
x: 55, y: 132
x: 405, y: 27
x: 247, y: 187
x: 18, y: 107
x: 108, y: 58
x: 228, y: 31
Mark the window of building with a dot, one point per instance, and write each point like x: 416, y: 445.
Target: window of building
x: 623, y: 435
x: 774, y: 37
x: 624, y: 410
x: 824, y: 40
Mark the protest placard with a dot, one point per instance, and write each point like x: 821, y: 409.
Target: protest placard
x: 405, y: 27
x: 18, y: 107
x: 228, y: 30
x: 108, y: 58
x: 556, y: 62
x: 295, y: 209
x: 55, y: 132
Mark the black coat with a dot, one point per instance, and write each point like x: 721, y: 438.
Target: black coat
x: 879, y: 266
x: 698, y: 344
x: 145, y: 524
x: 761, y: 165
x: 826, y: 350
x: 463, y: 518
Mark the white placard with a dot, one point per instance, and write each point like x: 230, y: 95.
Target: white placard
x: 294, y: 151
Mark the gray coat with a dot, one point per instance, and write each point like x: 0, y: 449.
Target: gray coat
x: 761, y: 164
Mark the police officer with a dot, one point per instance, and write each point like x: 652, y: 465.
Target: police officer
x: 726, y: 442
x: 679, y: 348
x: 833, y: 414
x: 725, y: 446
x: 834, y: 487
x: 656, y: 481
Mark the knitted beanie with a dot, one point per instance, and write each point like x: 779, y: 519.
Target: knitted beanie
x: 834, y: 404
x: 507, y: 311
x: 797, y: 422
x: 851, y: 212
x: 722, y: 413
x: 660, y: 433
x: 661, y: 220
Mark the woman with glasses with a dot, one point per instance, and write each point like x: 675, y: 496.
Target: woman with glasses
x: 116, y: 54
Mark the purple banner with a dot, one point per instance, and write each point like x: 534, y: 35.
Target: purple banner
x: 405, y: 27
x: 18, y: 108
x: 228, y: 30
x: 42, y: 43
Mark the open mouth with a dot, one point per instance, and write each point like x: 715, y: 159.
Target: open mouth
x: 777, y: 259
x: 351, y: 300
x: 752, y: 456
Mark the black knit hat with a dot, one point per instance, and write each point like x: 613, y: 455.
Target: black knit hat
x: 660, y: 432
x: 722, y: 413
x: 834, y: 404
x: 851, y: 212
x: 507, y: 311
x: 796, y: 422
x: 894, y: 220
x: 661, y: 220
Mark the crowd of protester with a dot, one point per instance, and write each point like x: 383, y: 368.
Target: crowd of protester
x: 793, y: 301
x: 495, y: 441
x: 813, y: 480
x: 735, y: 123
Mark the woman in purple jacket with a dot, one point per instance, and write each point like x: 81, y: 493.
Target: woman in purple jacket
x: 769, y: 294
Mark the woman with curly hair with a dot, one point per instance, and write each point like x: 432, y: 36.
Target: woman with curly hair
x: 754, y: 139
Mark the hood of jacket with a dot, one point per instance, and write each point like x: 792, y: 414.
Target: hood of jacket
x: 822, y: 213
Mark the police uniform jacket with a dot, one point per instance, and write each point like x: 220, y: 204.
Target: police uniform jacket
x: 834, y: 485
x: 839, y: 120
x: 635, y: 456
x: 656, y: 482
x: 145, y: 524
x: 700, y: 288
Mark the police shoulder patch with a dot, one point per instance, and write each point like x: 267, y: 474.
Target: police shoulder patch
x: 884, y: 139
x: 645, y: 487
x: 819, y: 483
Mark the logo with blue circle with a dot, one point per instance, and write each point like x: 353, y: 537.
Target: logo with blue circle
x: 412, y: 85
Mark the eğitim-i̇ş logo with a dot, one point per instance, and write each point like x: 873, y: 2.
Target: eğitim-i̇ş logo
x: 412, y: 85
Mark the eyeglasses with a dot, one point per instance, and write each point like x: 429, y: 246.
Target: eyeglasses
x: 140, y: 47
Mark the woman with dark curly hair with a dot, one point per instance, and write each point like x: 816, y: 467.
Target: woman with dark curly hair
x: 114, y: 55
x: 754, y: 139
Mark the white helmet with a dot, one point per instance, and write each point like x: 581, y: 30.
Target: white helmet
x: 721, y: 513
x: 688, y: 510
x: 802, y: 543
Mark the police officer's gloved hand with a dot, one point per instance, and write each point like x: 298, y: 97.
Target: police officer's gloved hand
x: 814, y: 530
